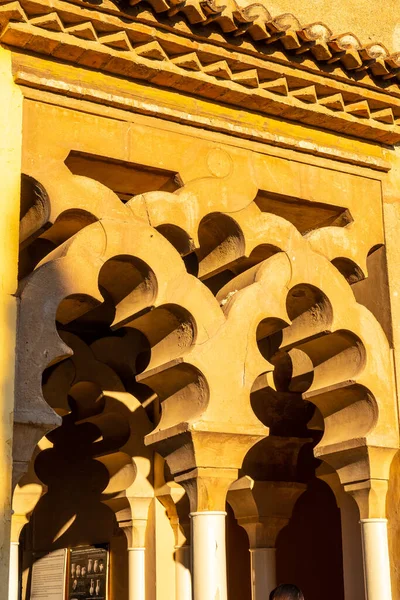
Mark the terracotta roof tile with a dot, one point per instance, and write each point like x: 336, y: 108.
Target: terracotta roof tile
x: 256, y: 23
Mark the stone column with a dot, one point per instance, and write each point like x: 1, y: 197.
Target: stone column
x: 175, y: 501
x: 10, y: 176
x: 134, y: 522
x: 183, y: 576
x: 26, y: 496
x: 207, y: 489
x: 371, y: 499
x: 13, y: 585
x: 351, y: 538
x: 263, y: 572
x: 263, y: 509
x: 137, y: 573
x: 209, y: 555
x: 376, y: 559
x: 206, y: 461
x: 17, y: 523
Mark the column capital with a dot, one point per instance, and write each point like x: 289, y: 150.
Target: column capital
x: 17, y: 524
x: 358, y: 461
x: 133, y: 521
x: 205, y: 460
x: 370, y: 496
x: 175, y: 501
x: 203, y: 444
x: 263, y: 508
x: 363, y: 471
x: 207, y: 487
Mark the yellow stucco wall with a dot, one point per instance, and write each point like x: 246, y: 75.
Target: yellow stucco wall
x: 356, y: 16
x: 10, y: 166
x: 393, y: 514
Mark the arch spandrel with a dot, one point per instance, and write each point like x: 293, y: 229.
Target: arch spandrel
x: 346, y: 243
x: 330, y: 188
x: 216, y: 178
x: 88, y: 194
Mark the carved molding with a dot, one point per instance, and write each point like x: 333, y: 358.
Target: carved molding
x: 258, y: 80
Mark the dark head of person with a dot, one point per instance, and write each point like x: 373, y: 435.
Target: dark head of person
x: 286, y: 591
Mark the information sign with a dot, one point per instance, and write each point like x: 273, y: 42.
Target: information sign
x: 87, y: 573
x: 48, y: 576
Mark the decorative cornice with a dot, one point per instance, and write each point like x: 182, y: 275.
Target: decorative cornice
x: 51, y: 87
x: 252, y: 29
x: 257, y: 81
x: 255, y: 24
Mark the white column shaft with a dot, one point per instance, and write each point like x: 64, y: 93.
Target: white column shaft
x: 183, y: 577
x: 209, y: 555
x: 137, y: 588
x: 376, y: 559
x: 13, y: 584
x: 353, y: 569
x: 263, y: 572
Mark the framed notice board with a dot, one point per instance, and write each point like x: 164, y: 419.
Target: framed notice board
x: 48, y: 576
x: 87, y: 577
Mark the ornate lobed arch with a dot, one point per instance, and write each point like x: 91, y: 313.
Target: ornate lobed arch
x: 270, y: 313
x: 278, y: 259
